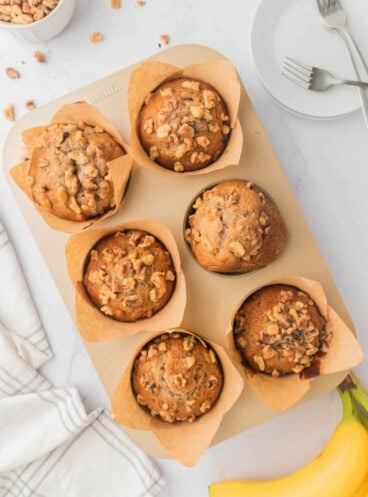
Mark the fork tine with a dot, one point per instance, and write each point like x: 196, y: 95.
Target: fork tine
x: 297, y: 82
x: 299, y: 63
x: 292, y: 70
x: 320, y: 6
x: 296, y: 73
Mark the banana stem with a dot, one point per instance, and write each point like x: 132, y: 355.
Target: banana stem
x: 352, y: 385
x: 360, y: 393
x: 348, y: 408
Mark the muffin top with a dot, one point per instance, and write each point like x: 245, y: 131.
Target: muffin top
x: 69, y: 173
x: 129, y: 275
x: 235, y: 228
x: 279, y: 330
x: 184, y: 125
x: 177, y: 377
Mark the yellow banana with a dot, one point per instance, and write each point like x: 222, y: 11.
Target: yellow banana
x: 363, y: 491
x: 339, y: 471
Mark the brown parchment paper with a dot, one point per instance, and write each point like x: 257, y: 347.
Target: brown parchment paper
x: 220, y: 74
x: 344, y: 351
x: 92, y: 324
x: 119, y: 168
x: 186, y: 442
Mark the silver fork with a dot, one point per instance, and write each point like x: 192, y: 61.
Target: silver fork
x: 334, y: 17
x: 314, y: 78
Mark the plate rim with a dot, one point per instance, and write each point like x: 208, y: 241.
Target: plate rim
x: 283, y: 105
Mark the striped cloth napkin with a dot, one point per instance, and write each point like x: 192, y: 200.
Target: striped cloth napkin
x: 49, y: 446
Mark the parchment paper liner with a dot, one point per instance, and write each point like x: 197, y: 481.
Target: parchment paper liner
x: 92, y: 324
x: 344, y: 351
x: 185, y: 441
x: 220, y: 74
x: 119, y: 168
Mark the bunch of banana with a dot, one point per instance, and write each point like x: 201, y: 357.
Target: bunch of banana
x: 341, y: 470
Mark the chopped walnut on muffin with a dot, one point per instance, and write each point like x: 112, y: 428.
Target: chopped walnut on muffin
x: 177, y: 377
x: 129, y: 275
x: 184, y: 125
x: 68, y: 173
x: 235, y: 228
x: 279, y: 330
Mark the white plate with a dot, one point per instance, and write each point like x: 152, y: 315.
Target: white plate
x: 293, y: 27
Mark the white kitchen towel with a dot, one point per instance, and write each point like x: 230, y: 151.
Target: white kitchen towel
x: 49, y: 446
x: 17, y: 311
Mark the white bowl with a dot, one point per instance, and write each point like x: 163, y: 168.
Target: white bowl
x: 48, y: 27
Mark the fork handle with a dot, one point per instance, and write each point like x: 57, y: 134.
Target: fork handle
x: 359, y: 84
x: 356, y: 57
x: 358, y: 54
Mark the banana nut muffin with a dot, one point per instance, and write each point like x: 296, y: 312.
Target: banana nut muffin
x: 177, y: 377
x: 279, y: 330
x: 129, y: 275
x: 68, y: 171
x: 235, y: 228
x: 184, y: 125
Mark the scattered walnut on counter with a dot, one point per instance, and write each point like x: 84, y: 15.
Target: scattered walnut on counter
x: 12, y: 73
x: 9, y: 112
x: 165, y: 38
x: 115, y: 4
x: 29, y: 104
x: 96, y: 37
x: 39, y: 56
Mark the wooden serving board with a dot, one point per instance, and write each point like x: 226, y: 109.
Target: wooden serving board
x: 165, y: 198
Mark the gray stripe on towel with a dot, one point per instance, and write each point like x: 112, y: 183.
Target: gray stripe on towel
x: 57, y: 407
x: 115, y: 432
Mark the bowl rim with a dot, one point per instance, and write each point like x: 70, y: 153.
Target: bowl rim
x: 10, y: 25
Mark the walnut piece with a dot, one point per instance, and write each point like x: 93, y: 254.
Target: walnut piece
x: 9, y: 112
x: 236, y: 248
x: 189, y: 362
x: 205, y: 406
x: 29, y: 104
x: 12, y: 73
x: 164, y: 38
x: 95, y: 37
x: 39, y: 56
x: 260, y: 362
x: 188, y: 343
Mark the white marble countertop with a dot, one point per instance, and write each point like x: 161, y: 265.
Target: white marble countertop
x: 325, y: 163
